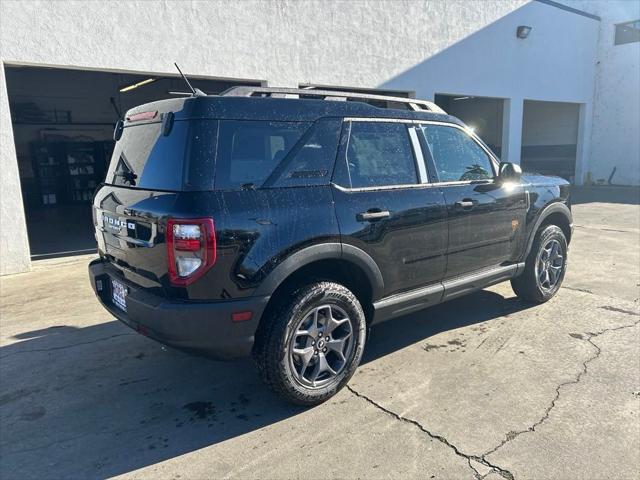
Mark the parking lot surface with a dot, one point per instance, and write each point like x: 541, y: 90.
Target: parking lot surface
x: 483, y: 386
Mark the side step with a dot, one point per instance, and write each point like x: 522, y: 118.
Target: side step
x: 414, y: 300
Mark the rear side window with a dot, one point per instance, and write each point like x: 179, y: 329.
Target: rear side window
x: 249, y: 151
x: 310, y: 162
x: 456, y: 155
x: 379, y: 154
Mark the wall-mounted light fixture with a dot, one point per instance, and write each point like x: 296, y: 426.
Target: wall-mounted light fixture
x: 136, y: 85
x: 523, y: 31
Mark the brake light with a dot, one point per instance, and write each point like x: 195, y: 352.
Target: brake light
x: 191, y: 249
x: 137, y: 117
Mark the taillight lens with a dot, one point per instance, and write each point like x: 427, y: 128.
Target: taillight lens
x: 191, y: 249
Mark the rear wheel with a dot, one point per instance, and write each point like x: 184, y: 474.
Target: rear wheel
x: 311, y: 345
x: 544, y: 268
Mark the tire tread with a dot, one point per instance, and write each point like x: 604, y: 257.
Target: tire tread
x: 270, y: 339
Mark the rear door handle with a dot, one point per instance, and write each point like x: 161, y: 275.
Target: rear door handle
x: 372, y: 215
x: 465, y: 204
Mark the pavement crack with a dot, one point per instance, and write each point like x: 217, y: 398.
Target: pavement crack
x: 63, y: 347
x: 619, y: 310
x: 587, y: 337
x: 605, y: 229
x: 576, y: 289
x: 469, y: 458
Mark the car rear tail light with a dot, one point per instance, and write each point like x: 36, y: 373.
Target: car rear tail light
x: 191, y: 249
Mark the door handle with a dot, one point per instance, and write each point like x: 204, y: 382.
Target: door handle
x: 465, y: 204
x: 372, y: 215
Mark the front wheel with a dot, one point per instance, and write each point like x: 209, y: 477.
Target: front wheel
x: 544, y: 268
x: 310, y: 347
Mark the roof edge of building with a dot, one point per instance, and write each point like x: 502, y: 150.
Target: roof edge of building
x: 569, y: 9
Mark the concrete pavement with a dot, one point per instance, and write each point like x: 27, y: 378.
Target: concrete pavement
x: 483, y: 386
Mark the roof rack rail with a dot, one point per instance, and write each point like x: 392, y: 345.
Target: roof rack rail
x: 412, y: 103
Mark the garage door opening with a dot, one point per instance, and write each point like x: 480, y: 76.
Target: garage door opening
x: 483, y: 114
x: 63, y: 124
x: 550, y: 137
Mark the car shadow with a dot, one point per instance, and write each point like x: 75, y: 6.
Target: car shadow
x: 605, y: 194
x: 101, y: 401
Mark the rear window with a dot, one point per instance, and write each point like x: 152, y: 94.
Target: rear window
x: 182, y: 160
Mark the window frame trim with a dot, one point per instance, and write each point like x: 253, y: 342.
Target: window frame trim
x: 418, y: 155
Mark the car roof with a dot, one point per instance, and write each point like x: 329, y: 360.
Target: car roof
x: 279, y: 109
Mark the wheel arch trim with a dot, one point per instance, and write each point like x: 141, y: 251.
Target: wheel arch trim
x: 556, y: 207
x: 324, y: 251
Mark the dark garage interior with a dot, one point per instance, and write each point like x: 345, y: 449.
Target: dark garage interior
x: 550, y: 137
x: 63, y: 124
x: 483, y: 114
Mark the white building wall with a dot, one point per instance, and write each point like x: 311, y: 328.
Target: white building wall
x: 453, y: 46
x: 615, y: 136
x: 14, y: 244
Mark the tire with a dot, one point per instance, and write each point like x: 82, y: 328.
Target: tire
x: 533, y: 285
x: 280, y: 350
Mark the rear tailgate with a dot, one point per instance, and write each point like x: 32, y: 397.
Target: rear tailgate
x: 130, y: 232
x: 160, y: 154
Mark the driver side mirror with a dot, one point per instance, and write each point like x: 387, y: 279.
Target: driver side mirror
x: 509, y: 172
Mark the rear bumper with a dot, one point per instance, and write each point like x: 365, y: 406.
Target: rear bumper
x: 204, y: 328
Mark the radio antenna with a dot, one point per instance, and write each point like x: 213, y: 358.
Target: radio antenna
x: 196, y: 92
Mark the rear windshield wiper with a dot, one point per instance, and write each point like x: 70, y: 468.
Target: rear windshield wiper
x: 128, y: 177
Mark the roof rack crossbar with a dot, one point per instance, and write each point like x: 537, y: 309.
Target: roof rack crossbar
x: 412, y: 103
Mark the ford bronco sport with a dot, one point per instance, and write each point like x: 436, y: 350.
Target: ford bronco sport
x: 284, y: 223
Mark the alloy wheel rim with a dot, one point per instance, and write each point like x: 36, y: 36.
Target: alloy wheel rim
x: 549, y: 265
x: 321, y: 346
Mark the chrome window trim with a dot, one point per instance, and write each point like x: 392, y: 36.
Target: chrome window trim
x: 417, y: 153
x: 384, y: 187
x: 377, y: 119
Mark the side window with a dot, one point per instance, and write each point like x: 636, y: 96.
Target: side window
x: 456, y: 155
x: 311, y: 161
x: 380, y: 154
x: 249, y: 150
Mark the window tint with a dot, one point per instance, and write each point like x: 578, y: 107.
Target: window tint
x: 310, y: 162
x: 249, y: 151
x: 201, y: 154
x: 144, y: 158
x: 456, y: 155
x: 380, y: 154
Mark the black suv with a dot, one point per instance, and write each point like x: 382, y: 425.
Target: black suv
x: 284, y: 223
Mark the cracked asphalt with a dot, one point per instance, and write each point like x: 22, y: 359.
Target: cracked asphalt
x: 485, y: 386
